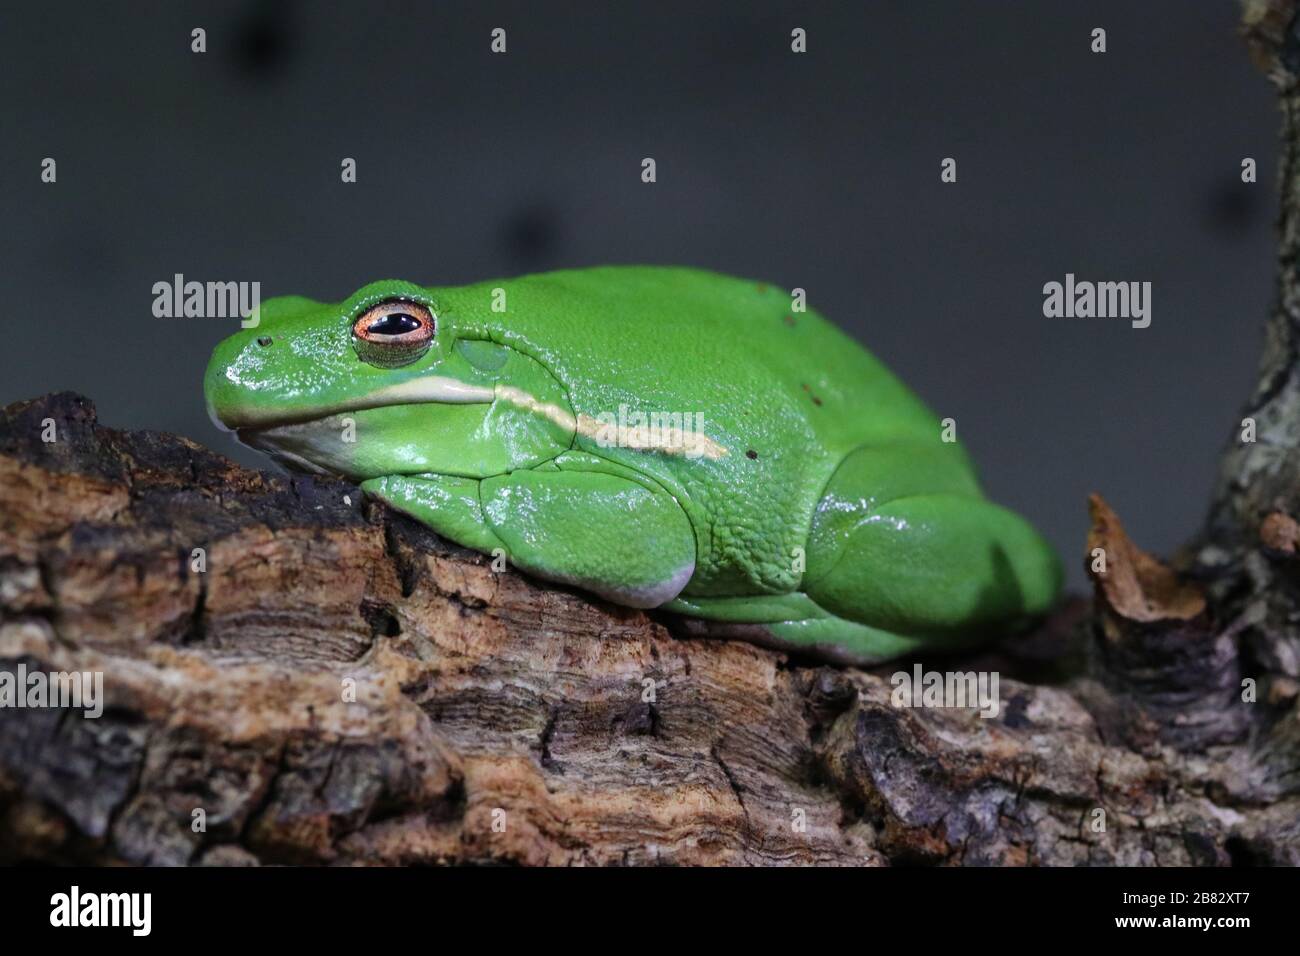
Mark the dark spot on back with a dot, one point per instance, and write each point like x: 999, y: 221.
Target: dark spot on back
x: 751, y: 454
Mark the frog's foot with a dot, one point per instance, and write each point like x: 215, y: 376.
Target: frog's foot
x: 939, y: 563
x: 617, y: 538
x: 792, y: 622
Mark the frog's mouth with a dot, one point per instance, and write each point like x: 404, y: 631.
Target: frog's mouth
x: 268, y: 442
x: 313, y: 445
x: 242, y: 416
x: 354, y: 445
x: 410, y: 438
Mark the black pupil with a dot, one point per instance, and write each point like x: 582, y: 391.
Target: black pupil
x: 394, y: 323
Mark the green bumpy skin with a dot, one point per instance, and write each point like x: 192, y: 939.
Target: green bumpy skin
x: 782, y: 482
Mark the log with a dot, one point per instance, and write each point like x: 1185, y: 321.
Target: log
x: 339, y: 685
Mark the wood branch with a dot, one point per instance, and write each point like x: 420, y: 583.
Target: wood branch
x: 495, y: 719
x: 1258, y: 489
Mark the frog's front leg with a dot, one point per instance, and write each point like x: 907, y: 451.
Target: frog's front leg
x: 446, y: 503
x: 625, y: 541
x: 621, y: 539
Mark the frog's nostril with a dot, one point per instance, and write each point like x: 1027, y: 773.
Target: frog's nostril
x: 264, y: 341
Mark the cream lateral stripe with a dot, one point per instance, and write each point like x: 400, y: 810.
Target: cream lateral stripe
x: 673, y: 441
x: 521, y: 399
x: 438, y: 389
x: 431, y: 388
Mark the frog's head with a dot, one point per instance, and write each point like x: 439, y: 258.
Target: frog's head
x: 382, y: 383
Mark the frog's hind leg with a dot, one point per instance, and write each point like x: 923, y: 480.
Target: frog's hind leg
x: 903, y: 542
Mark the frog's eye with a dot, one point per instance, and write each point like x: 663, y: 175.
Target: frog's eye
x: 393, y: 333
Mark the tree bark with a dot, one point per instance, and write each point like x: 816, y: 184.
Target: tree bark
x: 293, y: 673
x: 494, y: 719
x: 1257, y: 493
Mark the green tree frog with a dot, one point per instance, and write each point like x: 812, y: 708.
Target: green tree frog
x: 661, y: 437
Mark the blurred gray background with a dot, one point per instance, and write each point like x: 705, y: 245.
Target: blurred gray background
x: 820, y: 171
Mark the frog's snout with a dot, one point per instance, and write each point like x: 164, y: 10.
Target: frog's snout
x: 230, y: 384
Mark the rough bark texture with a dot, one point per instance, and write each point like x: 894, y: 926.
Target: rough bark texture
x: 339, y: 685
x: 497, y: 720
x: 1259, y: 482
